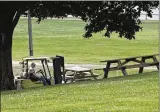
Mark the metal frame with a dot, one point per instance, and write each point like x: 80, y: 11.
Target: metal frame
x: 44, y: 61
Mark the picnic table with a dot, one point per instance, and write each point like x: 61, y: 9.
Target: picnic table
x: 78, y: 74
x: 122, y: 64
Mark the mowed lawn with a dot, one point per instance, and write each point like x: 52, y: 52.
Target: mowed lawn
x: 135, y: 93
x: 64, y: 37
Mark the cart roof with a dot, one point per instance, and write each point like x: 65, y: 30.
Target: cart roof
x: 35, y: 58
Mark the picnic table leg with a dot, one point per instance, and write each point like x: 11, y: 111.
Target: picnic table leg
x: 124, y: 71
x: 74, y: 76
x: 155, y: 60
x: 141, y: 68
x: 93, y: 75
x: 122, y: 68
x: 106, y: 70
x: 63, y: 74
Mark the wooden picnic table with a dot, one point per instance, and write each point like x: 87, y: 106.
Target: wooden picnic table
x: 122, y: 64
x: 78, y: 74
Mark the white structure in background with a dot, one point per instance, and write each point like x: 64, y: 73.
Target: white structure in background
x: 143, y: 16
x: 155, y: 15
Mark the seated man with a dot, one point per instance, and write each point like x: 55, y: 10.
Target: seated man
x: 34, y: 77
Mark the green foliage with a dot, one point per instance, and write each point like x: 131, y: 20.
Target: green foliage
x: 136, y: 93
x: 121, y: 17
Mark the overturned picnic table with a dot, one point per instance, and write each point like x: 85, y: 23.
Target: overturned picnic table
x: 122, y: 64
x: 79, y: 73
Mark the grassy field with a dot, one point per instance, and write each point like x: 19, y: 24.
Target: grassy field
x: 64, y: 37
x: 135, y: 93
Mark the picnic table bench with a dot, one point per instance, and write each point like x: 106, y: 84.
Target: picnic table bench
x: 122, y: 64
x: 78, y: 74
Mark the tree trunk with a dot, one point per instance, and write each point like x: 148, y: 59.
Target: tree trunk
x: 8, y: 21
x: 7, y: 78
x: 6, y: 73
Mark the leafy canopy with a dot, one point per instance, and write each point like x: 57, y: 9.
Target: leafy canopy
x: 110, y: 16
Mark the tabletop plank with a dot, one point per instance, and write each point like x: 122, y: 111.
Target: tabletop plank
x: 129, y: 58
x: 78, y: 69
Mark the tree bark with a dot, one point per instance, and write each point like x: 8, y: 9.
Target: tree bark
x: 7, y: 24
x: 7, y: 78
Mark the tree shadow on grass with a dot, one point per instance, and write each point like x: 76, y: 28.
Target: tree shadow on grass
x: 117, y: 78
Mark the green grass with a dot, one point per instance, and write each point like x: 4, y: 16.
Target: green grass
x: 135, y: 93
x: 64, y: 37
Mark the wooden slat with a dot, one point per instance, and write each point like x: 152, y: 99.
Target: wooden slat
x: 69, y: 77
x: 155, y: 60
x: 82, y: 79
x: 134, y: 66
x: 87, y: 76
x: 146, y: 56
x: 35, y: 58
x: 98, y: 69
x: 142, y: 61
x: 132, y: 59
x: 122, y: 69
x: 141, y: 65
x: 137, y: 61
x: 78, y: 69
x: 112, y: 61
x: 125, y: 62
x: 106, y: 70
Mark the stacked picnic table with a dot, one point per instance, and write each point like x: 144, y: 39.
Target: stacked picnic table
x: 79, y: 74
